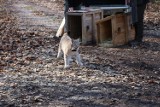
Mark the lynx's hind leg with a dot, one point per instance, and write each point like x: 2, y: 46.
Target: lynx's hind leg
x: 66, y: 61
x: 59, y: 52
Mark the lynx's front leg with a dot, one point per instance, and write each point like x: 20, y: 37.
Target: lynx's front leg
x: 78, y: 60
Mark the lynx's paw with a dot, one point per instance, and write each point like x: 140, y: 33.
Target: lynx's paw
x: 58, y: 56
x: 66, y: 66
x: 80, y: 64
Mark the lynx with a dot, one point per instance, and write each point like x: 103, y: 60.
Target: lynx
x: 70, y: 49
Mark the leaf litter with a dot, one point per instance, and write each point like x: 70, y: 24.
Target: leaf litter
x: 30, y: 74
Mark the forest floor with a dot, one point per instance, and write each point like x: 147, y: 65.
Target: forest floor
x: 30, y: 74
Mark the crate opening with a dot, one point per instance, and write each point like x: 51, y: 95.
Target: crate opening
x: 75, y: 27
x: 105, y: 32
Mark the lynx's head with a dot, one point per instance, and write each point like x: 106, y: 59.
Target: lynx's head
x: 75, y: 44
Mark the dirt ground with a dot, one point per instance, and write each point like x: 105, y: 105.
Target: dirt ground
x: 31, y: 76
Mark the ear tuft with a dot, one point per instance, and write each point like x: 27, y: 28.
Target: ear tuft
x: 77, y: 40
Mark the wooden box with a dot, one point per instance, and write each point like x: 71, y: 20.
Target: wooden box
x: 82, y: 24
x: 114, y: 30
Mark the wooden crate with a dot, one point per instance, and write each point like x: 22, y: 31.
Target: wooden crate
x: 114, y: 30
x: 82, y: 24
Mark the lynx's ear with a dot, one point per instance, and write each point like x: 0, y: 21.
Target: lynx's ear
x: 77, y: 40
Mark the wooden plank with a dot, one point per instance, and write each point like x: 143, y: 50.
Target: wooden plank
x: 113, y: 30
x: 131, y: 29
x: 120, y: 30
x: 127, y: 27
x: 94, y: 28
x: 132, y: 33
x: 88, y: 25
x: 96, y: 16
x: 83, y: 29
x: 105, y: 19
